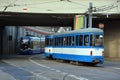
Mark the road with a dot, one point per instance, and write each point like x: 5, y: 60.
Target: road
x: 36, y: 67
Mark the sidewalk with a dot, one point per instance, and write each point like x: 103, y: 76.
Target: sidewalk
x: 113, y: 59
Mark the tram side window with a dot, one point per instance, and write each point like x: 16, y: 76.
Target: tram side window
x: 86, y: 40
x: 36, y: 44
x: 69, y: 40
x: 72, y: 40
x: 77, y: 40
x: 80, y: 40
x: 55, y: 41
x: 60, y: 41
x: 51, y: 42
x: 92, y: 42
x: 47, y: 41
x: 65, y: 41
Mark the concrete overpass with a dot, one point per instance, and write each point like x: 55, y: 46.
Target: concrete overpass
x: 54, y: 12
x: 61, y: 13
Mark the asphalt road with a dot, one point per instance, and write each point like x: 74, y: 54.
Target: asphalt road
x: 36, y: 67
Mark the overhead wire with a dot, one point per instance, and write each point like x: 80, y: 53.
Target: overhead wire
x: 50, y: 2
x: 107, y: 7
x: 8, y: 5
x: 118, y: 1
x: 53, y: 2
x: 78, y: 3
x: 13, y: 5
x: 38, y: 3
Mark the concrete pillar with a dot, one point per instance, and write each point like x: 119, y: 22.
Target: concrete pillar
x: 9, y: 40
x: 112, y: 39
x: 1, y: 41
x: 5, y: 41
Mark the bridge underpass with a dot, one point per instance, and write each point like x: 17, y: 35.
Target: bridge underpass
x: 36, y: 19
x: 57, y: 20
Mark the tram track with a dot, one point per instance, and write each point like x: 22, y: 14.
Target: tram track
x: 57, y: 71
x: 101, y: 67
x: 45, y: 69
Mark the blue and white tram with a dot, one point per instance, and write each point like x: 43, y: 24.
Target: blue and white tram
x: 30, y: 45
x: 84, y: 45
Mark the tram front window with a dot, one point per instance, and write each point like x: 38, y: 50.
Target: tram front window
x: 97, y: 40
x: 24, y: 43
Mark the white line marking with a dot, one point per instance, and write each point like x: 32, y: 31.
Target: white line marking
x: 116, y: 68
x: 34, y: 74
x: 58, y: 71
x: 76, y: 77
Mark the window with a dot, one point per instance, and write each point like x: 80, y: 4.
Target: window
x: 61, y: 41
x: 10, y: 37
x: 65, y: 41
x: 92, y: 40
x: 51, y: 42
x: 98, y: 40
x: 36, y: 44
x: 58, y: 41
x: 55, y: 41
x: 72, y: 40
x: 86, y: 40
x: 80, y: 40
x: 77, y: 40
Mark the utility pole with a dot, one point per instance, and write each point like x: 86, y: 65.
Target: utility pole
x: 90, y: 15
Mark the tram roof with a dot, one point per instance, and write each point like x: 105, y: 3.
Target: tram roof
x: 85, y: 30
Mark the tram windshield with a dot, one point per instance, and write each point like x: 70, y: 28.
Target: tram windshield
x: 25, y: 41
x: 97, y: 40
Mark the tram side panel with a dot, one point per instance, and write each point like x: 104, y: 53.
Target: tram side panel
x: 92, y: 53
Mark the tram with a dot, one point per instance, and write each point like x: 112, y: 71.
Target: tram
x: 30, y: 45
x: 84, y: 45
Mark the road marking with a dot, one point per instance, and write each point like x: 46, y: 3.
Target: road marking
x: 36, y: 75
x: 58, y: 71
x: 115, y: 67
